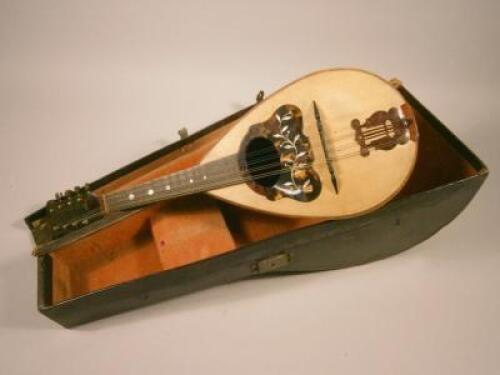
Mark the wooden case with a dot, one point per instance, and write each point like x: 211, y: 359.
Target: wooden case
x: 188, y: 244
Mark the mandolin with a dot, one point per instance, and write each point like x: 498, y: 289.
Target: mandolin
x: 334, y: 144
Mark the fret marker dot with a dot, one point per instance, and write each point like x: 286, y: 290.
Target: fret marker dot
x: 151, y: 192
x: 167, y: 187
x: 131, y: 197
x: 204, y: 177
x: 191, y: 181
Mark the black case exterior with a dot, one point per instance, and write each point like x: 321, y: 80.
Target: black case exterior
x: 329, y: 245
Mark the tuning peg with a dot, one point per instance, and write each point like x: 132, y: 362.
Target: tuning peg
x: 68, y: 193
x: 77, y: 189
x: 86, y: 187
x: 58, y: 196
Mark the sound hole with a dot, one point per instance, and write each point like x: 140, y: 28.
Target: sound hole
x: 263, y: 162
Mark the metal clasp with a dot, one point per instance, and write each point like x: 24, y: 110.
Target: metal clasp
x: 271, y: 263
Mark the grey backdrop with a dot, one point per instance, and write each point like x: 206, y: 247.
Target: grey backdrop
x: 87, y: 86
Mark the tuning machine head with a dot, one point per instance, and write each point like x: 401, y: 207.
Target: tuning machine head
x: 72, y: 210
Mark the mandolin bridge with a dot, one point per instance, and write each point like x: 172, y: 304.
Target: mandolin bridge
x: 277, y: 158
x: 383, y: 130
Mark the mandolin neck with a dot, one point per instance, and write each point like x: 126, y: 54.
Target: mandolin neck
x: 209, y: 176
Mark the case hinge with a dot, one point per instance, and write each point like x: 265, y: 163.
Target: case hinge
x: 260, y: 96
x: 183, y: 133
x: 396, y: 83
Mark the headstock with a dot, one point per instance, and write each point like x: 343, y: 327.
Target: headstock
x: 67, y: 212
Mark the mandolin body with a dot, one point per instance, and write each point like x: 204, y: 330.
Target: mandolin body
x: 362, y: 148
x: 334, y: 144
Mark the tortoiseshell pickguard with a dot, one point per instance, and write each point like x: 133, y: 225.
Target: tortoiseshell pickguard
x: 298, y: 179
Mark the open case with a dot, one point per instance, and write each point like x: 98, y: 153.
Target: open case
x: 192, y: 243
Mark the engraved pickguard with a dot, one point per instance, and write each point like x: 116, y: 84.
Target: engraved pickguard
x: 296, y: 179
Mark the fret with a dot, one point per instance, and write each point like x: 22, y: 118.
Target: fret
x: 209, y: 176
x: 182, y: 180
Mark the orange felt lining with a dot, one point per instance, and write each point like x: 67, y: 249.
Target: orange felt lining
x: 175, y: 233
x: 190, y: 228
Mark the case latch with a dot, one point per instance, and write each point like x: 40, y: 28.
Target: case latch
x: 271, y: 263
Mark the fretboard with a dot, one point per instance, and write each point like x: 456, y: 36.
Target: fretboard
x: 209, y: 176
